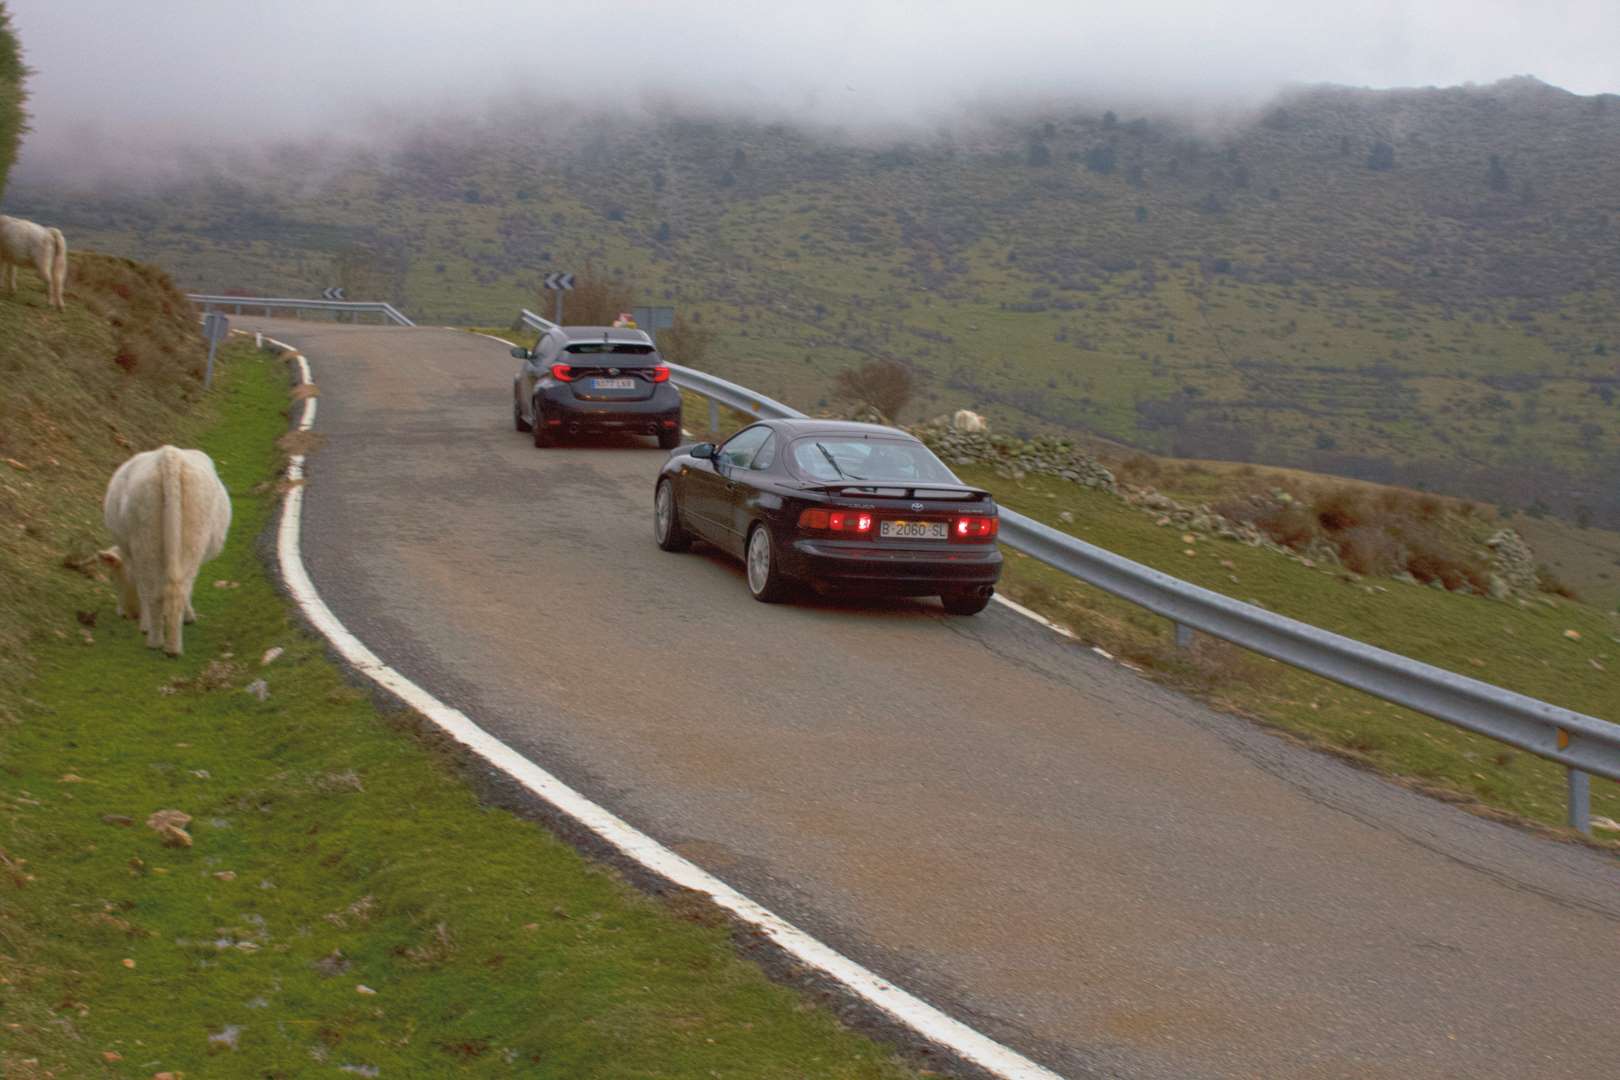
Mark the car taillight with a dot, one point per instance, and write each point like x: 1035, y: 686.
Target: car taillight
x: 562, y: 372
x: 660, y: 374
x: 975, y: 528
x: 844, y: 521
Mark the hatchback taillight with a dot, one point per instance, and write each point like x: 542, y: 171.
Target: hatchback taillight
x: 857, y: 522
x: 974, y: 528
x: 660, y: 374
x: 562, y: 372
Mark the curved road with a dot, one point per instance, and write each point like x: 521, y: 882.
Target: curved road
x: 1113, y: 879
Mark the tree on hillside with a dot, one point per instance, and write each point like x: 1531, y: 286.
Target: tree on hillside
x: 1381, y: 158
x: 13, y: 121
x: 686, y: 343
x: 885, y: 385
x: 1038, y: 154
x: 595, y: 299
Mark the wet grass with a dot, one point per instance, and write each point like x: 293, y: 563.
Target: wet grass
x: 346, y: 901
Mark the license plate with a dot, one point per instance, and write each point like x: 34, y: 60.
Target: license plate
x: 613, y: 384
x: 915, y: 530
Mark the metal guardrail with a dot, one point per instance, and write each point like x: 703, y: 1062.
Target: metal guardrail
x: 359, y: 307
x: 1582, y: 744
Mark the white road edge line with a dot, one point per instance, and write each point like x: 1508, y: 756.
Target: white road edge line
x: 909, y: 1010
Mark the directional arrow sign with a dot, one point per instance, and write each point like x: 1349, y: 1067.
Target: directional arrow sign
x: 333, y: 293
x: 560, y: 281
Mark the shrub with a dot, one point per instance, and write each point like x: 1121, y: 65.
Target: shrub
x: 595, y: 300
x: 1369, y: 550
x: 1340, y: 508
x: 1549, y: 582
x: 1291, y: 526
x: 1431, y: 557
x: 885, y: 385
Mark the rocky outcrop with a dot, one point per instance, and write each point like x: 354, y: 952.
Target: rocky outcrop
x: 1513, y: 565
x: 1017, y: 458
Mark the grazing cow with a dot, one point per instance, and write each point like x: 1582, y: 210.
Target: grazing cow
x: 22, y: 243
x: 968, y: 421
x: 168, y: 514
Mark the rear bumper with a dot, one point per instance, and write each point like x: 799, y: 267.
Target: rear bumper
x: 560, y: 410
x: 908, y: 570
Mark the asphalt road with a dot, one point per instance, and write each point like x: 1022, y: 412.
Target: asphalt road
x: 1109, y: 877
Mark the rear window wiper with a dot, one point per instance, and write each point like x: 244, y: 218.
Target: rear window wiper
x: 842, y: 475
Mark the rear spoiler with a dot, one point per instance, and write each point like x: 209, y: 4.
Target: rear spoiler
x: 901, y: 491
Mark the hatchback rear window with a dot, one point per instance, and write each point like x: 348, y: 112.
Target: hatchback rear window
x: 616, y: 347
x: 831, y: 459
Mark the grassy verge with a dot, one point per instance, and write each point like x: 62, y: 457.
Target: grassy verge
x: 347, y: 902
x: 1526, y: 648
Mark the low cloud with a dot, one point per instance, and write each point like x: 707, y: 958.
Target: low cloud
x: 128, y: 85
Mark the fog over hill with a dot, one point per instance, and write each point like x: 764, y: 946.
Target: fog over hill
x: 189, y: 72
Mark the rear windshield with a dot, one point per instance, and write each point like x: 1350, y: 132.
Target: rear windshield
x: 830, y: 459
x: 616, y: 347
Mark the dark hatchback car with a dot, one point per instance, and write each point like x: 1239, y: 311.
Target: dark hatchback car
x: 838, y: 506
x: 580, y: 379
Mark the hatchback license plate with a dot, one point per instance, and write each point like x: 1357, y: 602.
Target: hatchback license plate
x: 915, y: 530
x: 613, y: 384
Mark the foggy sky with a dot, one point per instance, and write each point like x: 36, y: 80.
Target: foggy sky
x: 130, y: 76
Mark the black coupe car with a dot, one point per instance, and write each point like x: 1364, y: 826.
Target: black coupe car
x: 593, y: 379
x: 835, y: 505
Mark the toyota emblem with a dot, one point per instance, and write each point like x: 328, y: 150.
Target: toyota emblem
x: 613, y: 371
x: 916, y: 506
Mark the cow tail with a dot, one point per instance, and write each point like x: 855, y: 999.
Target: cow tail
x: 171, y: 469
x: 59, y: 266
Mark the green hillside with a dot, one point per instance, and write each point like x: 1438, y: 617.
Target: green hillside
x: 1415, y: 287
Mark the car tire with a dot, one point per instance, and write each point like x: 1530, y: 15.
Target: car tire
x: 965, y: 603
x: 667, y: 528
x: 766, y: 581
x: 669, y: 439
x: 543, y: 438
x: 517, y: 416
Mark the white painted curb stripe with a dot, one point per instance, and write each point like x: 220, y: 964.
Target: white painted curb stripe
x: 909, y: 1010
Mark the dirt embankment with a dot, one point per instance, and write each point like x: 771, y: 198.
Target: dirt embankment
x: 80, y: 391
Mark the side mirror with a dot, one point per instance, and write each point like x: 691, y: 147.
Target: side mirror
x: 521, y: 353
x: 703, y: 450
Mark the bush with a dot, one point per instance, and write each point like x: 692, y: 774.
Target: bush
x: 593, y: 301
x: 1549, y: 582
x: 1341, y: 508
x: 1431, y: 557
x: 885, y: 385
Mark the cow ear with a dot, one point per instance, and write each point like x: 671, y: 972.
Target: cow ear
x: 111, y: 557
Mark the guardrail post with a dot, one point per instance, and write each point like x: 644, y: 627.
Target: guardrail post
x: 1580, y: 792
x: 1184, y: 636
x: 1580, y: 801
x: 714, y: 418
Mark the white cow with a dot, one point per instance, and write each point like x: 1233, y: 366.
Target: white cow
x: 22, y: 243
x: 964, y: 420
x: 168, y: 514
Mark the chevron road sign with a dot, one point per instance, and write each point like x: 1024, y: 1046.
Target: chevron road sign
x: 559, y: 282
x: 333, y: 293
